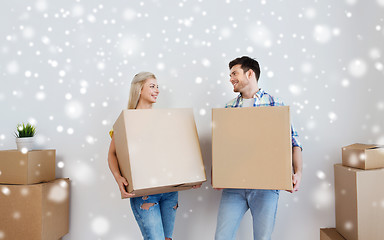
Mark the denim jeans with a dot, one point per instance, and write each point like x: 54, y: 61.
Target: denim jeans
x: 235, y: 202
x: 157, y: 218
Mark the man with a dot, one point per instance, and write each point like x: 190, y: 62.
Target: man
x: 244, y: 76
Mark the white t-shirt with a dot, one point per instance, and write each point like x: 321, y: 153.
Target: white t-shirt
x: 248, y: 102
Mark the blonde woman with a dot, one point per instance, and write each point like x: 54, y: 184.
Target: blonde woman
x: 155, y: 214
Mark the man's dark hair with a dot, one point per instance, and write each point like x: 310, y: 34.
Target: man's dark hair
x: 246, y: 64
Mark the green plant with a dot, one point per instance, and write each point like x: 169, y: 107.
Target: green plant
x: 25, y: 130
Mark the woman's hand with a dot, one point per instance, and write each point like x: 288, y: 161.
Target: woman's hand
x: 123, y: 183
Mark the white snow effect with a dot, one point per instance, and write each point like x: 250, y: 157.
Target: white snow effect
x: 322, y: 34
x: 198, y: 80
x: 45, y: 40
x: 345, y: 82
x: 24, y: 150
x: 24, y: 192
x: 60, y: 164
x: 129, y: 45
x: 74, y: 109
x: 101, y: 65
x: 374, y: 53
x: 90, y: 140
x: 295, y: 89
x: 321, y: 175
x: 129, y: 14
x: 306, y: 68
x: 270, y: 74
x: 351, y: 2
x: 91, y: 18
x: 82, y: 173
x: 58, y: 193
x: 380, y: 106
x: 357, y: 68
x: 41, y: 5
x: 202, y: 112
x: 376, y: 129
x: 205, y: 62
x: 310, y: 13
x: 225, y: 32
x: 323, y: 196
x: 160, y: 66
x: 332, y: 116
x: 379, y: 66
x: 260, y: 35
x: 40, y: 96
x: 348, y: 225
x: 28, y: 32
x: 311, y: 124
x: 6, y: 191
x: 77, y: 10
x: 2, y: 136
x: 60, y: 128
x: 381, y: 2
x: 380, y: 140
x: 62, y: 73
x: 2, y: 235
x: 70, y: 131
x: 13, y: 67
x: 100, y: 225
x: 16, y: 215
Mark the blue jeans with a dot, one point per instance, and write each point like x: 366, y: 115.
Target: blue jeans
x: 235, y: 202
x: 155, y: 214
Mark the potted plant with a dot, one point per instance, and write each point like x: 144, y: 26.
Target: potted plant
x: 25, y: 137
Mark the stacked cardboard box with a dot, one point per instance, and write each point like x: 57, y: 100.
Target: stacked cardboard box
x: 33, y: 204
x: 359, y: 192
x: 158, y: 150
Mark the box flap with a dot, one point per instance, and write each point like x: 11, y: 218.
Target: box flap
x: 361, y: 146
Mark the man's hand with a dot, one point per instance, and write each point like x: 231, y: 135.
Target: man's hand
x: 296, y: 180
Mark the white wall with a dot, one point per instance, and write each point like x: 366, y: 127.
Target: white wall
x: 67, y: 66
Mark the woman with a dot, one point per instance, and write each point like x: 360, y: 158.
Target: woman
x: 155, y: 214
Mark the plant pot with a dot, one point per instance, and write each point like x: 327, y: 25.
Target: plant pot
x: 25, y: 144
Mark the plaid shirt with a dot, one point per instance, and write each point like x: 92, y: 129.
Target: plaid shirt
x: 263, y: 99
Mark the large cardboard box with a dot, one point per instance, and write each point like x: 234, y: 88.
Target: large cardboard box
x: 158, y: 150
x: 363, y: 156
x: 252, y: 148
x: 35, y: 212
x: 330, y: 234
x: 359, y: 196
x: 27, y: 168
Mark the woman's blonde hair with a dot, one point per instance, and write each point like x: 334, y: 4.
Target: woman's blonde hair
x: 136, y: 86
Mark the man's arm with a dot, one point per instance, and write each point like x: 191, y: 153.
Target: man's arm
x: 297, y: 158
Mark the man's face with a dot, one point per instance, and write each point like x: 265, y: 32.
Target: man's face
x: 238, y: 78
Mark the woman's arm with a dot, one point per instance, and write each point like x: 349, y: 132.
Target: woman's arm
x: 114, y: 167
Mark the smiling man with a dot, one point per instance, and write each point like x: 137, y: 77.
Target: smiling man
x: 244, y: 76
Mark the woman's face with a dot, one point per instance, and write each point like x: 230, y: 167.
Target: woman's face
x: 150, y: 91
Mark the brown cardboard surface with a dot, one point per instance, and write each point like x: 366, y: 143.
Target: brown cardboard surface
x: 330, y: 234
x: 38, y: 211
x: 32, y: 167
x: 251, y: 148
x: 158, y: 150
x: 363, y: 156
x: 359, y: 196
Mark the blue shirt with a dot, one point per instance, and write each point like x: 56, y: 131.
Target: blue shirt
x: 262, y: 99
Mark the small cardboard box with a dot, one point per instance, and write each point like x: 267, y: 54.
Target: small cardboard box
x: 35, y: 212
x: 252, y: 148
x: 158, y: 150
x: 363, y: 156
x: 330, y: 234
x: 32, y: 167
x: 359, y: 199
